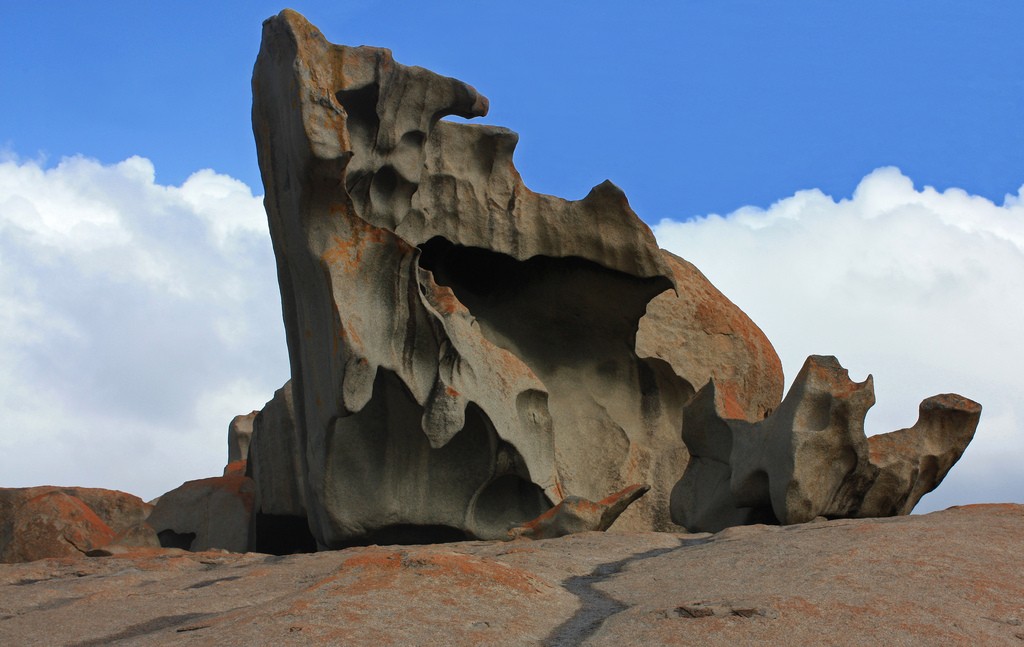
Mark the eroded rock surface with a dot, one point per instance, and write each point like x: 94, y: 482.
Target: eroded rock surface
x: 947, y: 578
x: 701, y: 335
x: 912, y: 462
x: 810, y: 458
x: 465, y: 352
x: 239, y: 436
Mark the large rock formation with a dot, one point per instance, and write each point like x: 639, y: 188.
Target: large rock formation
x: 468, y: 356
x: 810, y: 458
x: 470, y: 359
x: 464, y: 352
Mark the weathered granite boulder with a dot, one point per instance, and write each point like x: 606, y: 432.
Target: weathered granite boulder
x: 574, y: 514
x: 701, y: 335
x: 52, y: 521
x: 53, y: 524
x: 912, y: 462
x: 207, y: 513
x: 239, y: 436
x: 810, y: 458
x: 465, y: 353
x: 279, y: 515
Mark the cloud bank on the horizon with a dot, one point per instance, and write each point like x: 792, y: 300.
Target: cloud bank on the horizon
x: 137, y: 319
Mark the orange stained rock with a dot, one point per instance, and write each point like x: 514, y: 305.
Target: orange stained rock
x: 727, y: 402
x: 235, y: 468
x: 379, y: 568
x: 443, y: 299
x: 624, y: 493
x: 54, y: 524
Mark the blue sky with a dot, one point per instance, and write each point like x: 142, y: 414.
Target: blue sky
x: 691, y: 107
x: 813, y: 128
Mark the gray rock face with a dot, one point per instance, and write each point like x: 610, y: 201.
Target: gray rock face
x: 275, y: 465
x: 239, y: 435
x: 912, y: 462
x: 811, y: 458
x: 465, y: 352
x: 207, y: 513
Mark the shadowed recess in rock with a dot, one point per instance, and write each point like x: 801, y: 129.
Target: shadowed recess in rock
x: 383, y: 474
x: 552, y: 312
x: 409, y: 534
x: 171, y: 539
x: 281, y: 534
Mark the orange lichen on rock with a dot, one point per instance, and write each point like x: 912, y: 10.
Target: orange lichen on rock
x: 575, y: 514
x: 51, y: 521
x: 54, y: 524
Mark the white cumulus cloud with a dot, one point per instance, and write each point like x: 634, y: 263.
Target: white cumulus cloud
x: 921, y: 288
x: 136, y: 320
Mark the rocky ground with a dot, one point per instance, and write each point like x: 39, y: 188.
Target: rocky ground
x: 946, y: 578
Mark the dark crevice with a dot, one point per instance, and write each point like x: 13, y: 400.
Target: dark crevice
x: 508, y: 501
x: 170, y: 539
x: 206, y: 583
x: 596, y: 605
x: 279, y: 534
x: 360, y: 105
x: 551, y: 312
x: 363, y: 124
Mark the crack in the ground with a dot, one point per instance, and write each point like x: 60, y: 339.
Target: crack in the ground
x: 597, y: 606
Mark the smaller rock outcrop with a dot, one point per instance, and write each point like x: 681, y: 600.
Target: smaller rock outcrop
x: 280, y: 524
x: 276, y: 463
x: 54, y: 525
x: 912, y: 462
x: 811, y: 457
x: 239, y: 436
x: 50, y: 521
x: 207, y: 513
x: 140, y: 535
x: 576, y: 514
